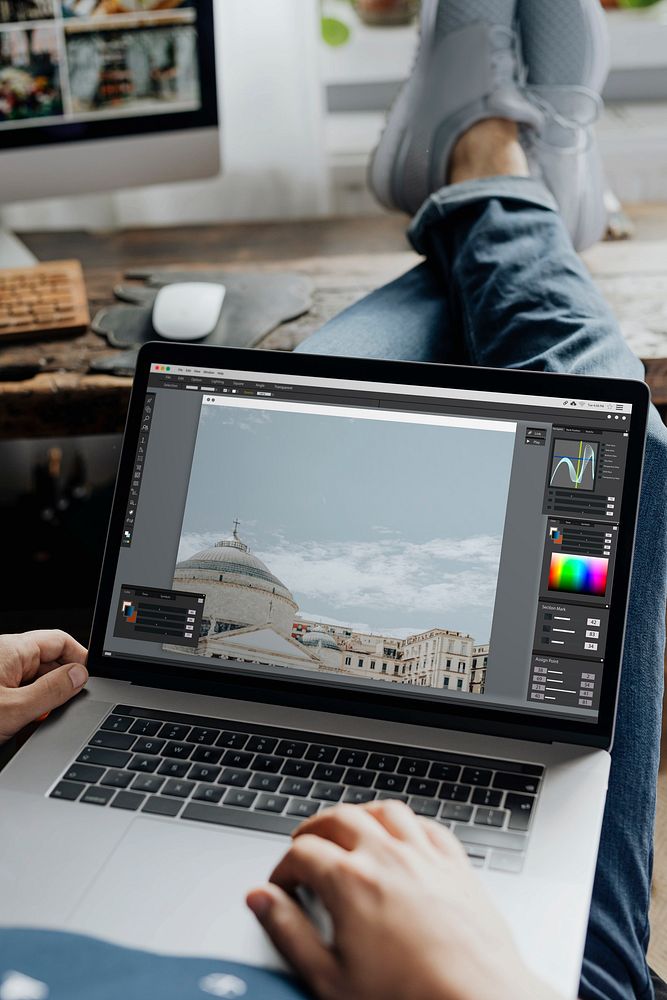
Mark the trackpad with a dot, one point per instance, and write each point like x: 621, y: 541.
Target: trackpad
x: 180, y: 888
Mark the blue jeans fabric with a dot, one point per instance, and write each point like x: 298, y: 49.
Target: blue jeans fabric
x: 501, y: 286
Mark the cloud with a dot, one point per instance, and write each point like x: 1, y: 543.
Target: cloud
x: 436, y: 576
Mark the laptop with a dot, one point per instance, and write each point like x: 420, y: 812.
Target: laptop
x: 336, y: 580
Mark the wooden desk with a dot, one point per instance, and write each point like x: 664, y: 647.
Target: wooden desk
x: 345, y: 258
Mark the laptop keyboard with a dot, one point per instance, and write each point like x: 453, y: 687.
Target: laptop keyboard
x: 208, y: 770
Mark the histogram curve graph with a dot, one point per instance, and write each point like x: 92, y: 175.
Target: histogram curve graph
x: 573, y: 465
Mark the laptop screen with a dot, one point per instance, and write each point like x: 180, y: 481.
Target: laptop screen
x: 456, y: 546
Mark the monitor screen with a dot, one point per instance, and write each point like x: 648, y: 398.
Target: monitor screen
x: 456, y: 546
x: 86, y: 69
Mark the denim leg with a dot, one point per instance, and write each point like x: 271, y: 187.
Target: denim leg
x: 525, y: 300
x: 406, y: 320
x: 520, y: 297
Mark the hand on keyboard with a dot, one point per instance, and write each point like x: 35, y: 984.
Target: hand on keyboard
x: 410, y: 918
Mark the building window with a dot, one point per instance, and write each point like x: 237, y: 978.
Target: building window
x: 449, y: 663
x: 360, y: 662
x: 396, y: 668
x: 459, y: 683
x: 384, y: 668
x: 445, y: 683
x: 372, y: 664
x: 348, y: 661
x: 462, y: 667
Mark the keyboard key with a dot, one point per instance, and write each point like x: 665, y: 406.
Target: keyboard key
x: 271, y: 803
x: 390, y: 782
x: 297, y: 768
x: 456, y: 793
x: 266, y: 762
x: 410, y: 765
x: 382, y: 762
x: 117, y: 723
x: 108, y: 758
x: 145, y: 727
x: 328, y: 772
x: 240, y: 758
x: 422, y: 806
x: 486, y: 797
x: 143, y: 763
x: 489, y: 817
x: 302, y: 808
x: 233, y: 741
x: 476, y: 776
x: 422, y: 786
x: 352, y: 758
x: 516, y: 782
x: 180, y: 751
x: 127, y: 800
x: 291, y: 748
x: 66, y: 790
x: 207, y: 755
x: 86, y: 773
x: 456, y: 811
x: 117, y: 779
x: 489, y: 837
x: 265, y: 782
x: 320, y: 753
x: 521, y: 809
x: 116, y: 741
x: 148, y: 745
x: 506, y: 861
x: 393, y: 795
x: 261, y: 744
x: 205, y: 736
x: 179, y: 788
x: 248, y: 819
x: 174, y: 768
x: 209, y: 793
x: 295, y: 786
x: 204, y: 772
x: 240, y: 798
x: 444, y: 772
x: 359, y: 795
x: 162, y: 807
x: 147, y: 783
x: 171, y: 731
x: 328, y: 793
x: 358, y: 777
x: 235, y: 776
x: 97, y: 796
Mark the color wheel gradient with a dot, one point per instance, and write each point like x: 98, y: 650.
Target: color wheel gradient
x: 578, y: 574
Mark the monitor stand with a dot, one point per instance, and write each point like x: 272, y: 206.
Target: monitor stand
x: 14, y: 253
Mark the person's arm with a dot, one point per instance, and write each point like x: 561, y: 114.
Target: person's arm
x: 39, y: 671
x: 411, y: 920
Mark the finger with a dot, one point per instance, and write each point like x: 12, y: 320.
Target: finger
x: 294, y: 935
x: 345, y: 825
x: 44, y: 646
x: 443, y: 839
x: 398, y: 819
x: 27, y: 703
x: 311, y: 862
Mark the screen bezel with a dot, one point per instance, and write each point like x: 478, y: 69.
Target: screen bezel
x: 488, y: 720
x: 125, y: 126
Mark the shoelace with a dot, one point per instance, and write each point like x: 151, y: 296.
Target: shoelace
x: 580, y: 126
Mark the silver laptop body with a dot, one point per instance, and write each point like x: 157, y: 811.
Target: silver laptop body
x: 335, y: 579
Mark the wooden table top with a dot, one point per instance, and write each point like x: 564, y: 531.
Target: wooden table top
x: 345, y: 258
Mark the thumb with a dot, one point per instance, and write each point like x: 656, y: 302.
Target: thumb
x: 47, y: 692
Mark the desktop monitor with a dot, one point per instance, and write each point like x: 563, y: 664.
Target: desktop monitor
x: 97, y: 95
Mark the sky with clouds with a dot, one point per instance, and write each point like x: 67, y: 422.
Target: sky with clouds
x: 387, y: 527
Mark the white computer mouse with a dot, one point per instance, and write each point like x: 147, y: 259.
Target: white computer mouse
x: 187, y: 310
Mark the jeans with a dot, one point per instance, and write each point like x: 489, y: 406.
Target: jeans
x: 502, y: 287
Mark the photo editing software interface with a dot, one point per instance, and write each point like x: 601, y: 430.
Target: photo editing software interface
x: 438, y: 543
x: 69, y: 61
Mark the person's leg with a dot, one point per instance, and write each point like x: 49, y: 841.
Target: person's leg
x: 407, y: 320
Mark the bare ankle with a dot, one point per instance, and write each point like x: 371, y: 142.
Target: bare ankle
x: 489, y: 149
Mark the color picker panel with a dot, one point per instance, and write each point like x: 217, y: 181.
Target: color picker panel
x: 584, y: 575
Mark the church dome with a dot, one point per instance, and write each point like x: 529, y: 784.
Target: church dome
x: 232, y: 559
x: 321, y: 640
